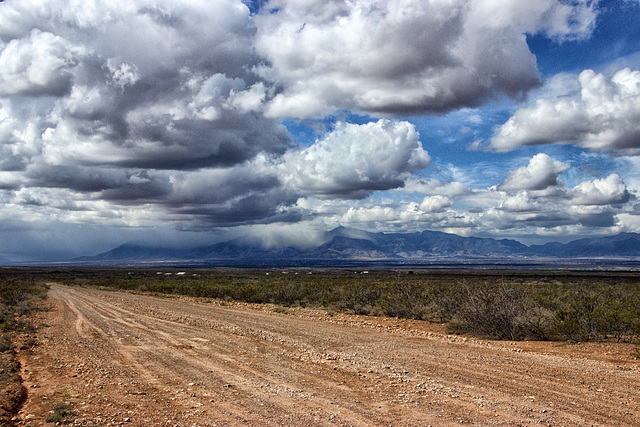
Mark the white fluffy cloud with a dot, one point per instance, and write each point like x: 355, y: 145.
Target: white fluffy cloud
x: 537, y: 187
x: 541, y: 172
x: 355, y: 160
x: 431, y: 187
x: 535, y: 199
x: 38, y: 64
x: 606, y: 116
x: 435, y: 203
x: 406, y: 56
x: 144, y: 83
x: 606, y: 191
x: 532, y: 201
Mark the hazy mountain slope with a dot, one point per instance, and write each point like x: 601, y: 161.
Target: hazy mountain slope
x: 343, y: 244
x: 620, y: 245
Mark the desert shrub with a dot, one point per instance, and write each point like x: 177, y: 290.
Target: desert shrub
x: 492, y: 311
x: 409, y: 300
x: 358, y: 296
x: 5, y: 343
x: 14, y: 295
x: 288, y: 294
x: 616, y: 319
x: 503, y: 305
x: 535, y: 320
x: 595, y: 313
x: 62, y: 414
x: 497, y: 310
x: 6, y: 318
x: 18, y: 293
x: 444, y: 303
x: 280, y: 309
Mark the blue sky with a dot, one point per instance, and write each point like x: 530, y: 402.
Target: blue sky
x: 186, y: 123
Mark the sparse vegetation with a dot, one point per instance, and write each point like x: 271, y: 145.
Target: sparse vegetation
x: 18, y: 294
x: 280, y: 309
x: 62, y: 414
x: 510, y: 304
x: 636, y: 349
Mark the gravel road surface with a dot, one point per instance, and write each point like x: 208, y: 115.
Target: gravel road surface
x: 125, y: 359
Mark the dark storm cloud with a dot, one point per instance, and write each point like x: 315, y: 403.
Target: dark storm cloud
x: 140, y: 188
x: 253, y: 208
x: 76, y: 178
x: 232, y: 196
x: 106, y: 103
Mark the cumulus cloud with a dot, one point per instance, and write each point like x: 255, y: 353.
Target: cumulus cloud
x: 406, y: 57
x: 541, y: 172
x: 606, y: 191
x: 532, y: 201
x: 435, y: 203
x: 521, y: 202
x: 147, y: 84
x: 38, y: 64
x: 537, y: 187
x: 355, y: 160
x: 606, y: 116
x: 113, y: 108
x: 536, y: 203
x: 431, y: 186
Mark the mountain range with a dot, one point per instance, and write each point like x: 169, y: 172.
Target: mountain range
x: 344, y: 246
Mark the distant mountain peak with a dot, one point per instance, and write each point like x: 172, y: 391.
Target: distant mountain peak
x: 343, y: 245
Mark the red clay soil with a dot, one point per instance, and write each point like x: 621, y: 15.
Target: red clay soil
x: 124, y: 359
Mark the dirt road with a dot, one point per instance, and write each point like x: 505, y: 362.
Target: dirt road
x: 118, y: 358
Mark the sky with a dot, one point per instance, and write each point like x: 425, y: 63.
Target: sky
x: 187, y: 122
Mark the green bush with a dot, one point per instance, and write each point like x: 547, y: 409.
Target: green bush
x: 404, y: 300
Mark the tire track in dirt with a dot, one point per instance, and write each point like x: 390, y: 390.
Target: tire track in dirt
x: 155, y: 344
x: 181, y: 362
x: 158, y: 347
x: 516, y: 383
